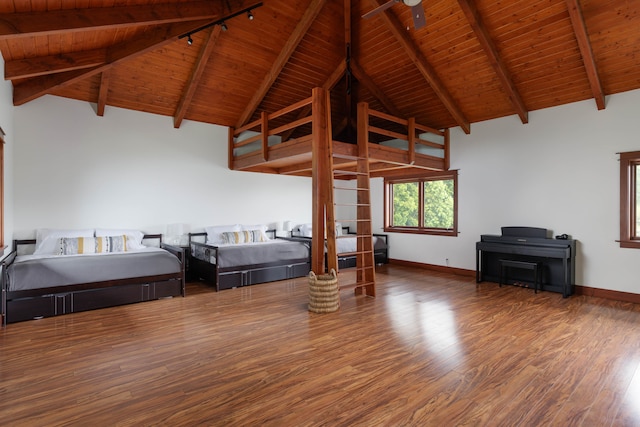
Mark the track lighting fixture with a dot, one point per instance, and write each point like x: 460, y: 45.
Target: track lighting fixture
x: 222, y: 22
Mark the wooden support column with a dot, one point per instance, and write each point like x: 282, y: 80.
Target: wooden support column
x: 322, y: 177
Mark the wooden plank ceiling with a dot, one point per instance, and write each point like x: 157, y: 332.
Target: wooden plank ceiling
x: 474, y: 60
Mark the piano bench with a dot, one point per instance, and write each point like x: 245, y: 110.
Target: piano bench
x: 535, y: 266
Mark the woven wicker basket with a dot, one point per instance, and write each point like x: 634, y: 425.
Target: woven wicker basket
x: 324, y: 294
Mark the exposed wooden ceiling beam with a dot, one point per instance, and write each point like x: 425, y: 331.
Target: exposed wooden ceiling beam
x: 100, y: 18
x: 33, y: 67
x: 427, y: 71
x: 471, y: 12
x: 580, y: 29
x: 196, y: 75
x: 290, y: 46
x: 348, y: 53
x: 364, y: 79
x: 33, y: 88
x: 103, y: 92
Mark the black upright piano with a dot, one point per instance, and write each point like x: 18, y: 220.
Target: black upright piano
x: 532, y: 244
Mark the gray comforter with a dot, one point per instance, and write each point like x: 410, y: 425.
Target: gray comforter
x: 46, y: 272
x: 251, y: 254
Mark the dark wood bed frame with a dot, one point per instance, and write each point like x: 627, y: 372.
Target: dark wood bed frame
x: 37, y: 303
x: 245, y: 275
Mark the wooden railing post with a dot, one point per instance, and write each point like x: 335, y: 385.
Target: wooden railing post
x: 265, y: 135
x: 231, y: 144
x: 411, y: 131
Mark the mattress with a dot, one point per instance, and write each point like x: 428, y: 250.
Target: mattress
x: 251, y: 253
x: 38, y: 272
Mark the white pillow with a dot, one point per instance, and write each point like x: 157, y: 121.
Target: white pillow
x: 214, y: 233
x: 262, y: 227
x: 134, y: 237
x: 305, y: 230
x: 47, y: 239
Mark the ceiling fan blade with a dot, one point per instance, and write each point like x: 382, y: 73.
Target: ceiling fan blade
x: 419, y: 19
x: 380, y: 8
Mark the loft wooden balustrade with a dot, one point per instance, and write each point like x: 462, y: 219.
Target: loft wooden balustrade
x: 281, y: 143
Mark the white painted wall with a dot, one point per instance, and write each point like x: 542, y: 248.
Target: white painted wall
x: 7, y: 124
x: 560, y: 171
x: 130, y: 169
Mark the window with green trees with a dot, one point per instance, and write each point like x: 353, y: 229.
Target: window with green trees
x: 629, y: 200
x: 422, y: 205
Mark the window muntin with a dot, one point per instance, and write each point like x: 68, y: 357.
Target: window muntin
x: 425, y: 204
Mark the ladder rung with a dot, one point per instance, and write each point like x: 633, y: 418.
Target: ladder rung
x: 351, y: 188
x: 354, y: 253
x: 356, y: 285
x: 352, y: 204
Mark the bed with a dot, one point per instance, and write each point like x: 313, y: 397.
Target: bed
x: 346, y: 243
x: 257, y: 259
x: 40, y: 279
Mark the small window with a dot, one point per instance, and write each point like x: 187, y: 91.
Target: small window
x: 629, y: 200
x: 425, y: 205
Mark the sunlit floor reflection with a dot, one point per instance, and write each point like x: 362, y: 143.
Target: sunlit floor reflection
x: 432, y: 324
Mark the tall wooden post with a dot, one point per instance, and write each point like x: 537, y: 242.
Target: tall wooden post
x: 322, y: 179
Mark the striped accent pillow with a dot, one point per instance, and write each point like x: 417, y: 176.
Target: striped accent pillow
x: 246, y: 236
x: 76, y: 245
x: 111, y: 244
x: 91, y: 245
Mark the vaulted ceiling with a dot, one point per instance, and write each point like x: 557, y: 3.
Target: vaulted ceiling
x: 474, y: 60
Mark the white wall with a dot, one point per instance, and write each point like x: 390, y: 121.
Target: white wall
x: 6, y: 123
x: 560, y: 171
x: 131, y: 169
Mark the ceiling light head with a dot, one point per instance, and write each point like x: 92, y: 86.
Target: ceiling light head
x: 250, y: 15
x: 189, y: 40
x: 411, y: 2
x: 224, y: 26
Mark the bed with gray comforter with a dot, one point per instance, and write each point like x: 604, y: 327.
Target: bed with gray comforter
x: 35, y: 286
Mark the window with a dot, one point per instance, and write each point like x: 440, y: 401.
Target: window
x: 426, y: 204
x: 629, y: 200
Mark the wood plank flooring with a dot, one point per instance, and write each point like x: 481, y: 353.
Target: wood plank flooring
x: 430, y: 350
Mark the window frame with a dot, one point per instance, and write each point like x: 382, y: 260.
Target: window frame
x: 629, y: 162
x: 420, y: 179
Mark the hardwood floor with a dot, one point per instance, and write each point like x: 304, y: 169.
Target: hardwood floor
x: 430, y: 349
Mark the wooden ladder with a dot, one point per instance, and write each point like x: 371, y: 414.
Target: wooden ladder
x: 324, y: 174
x: 365, y: 266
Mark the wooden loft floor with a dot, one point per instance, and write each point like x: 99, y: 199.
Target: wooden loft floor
x: 430, y: 349
x: 281, y: 143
